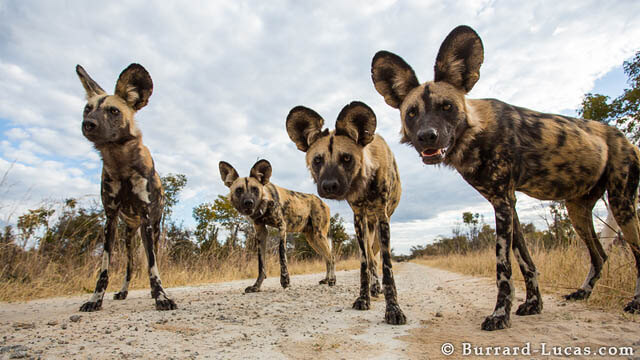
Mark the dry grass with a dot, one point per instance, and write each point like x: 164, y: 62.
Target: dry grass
x: 45, y: 280
x: 561, y: 272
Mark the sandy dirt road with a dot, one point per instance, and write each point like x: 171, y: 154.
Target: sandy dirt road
x: 306, y: 321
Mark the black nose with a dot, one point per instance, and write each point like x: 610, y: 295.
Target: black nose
x: 89, y: 125
x: 330, y: 186
x: 248, y: 203
x: 428, y: 136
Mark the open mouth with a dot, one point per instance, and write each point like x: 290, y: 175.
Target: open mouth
x: 431, y: 156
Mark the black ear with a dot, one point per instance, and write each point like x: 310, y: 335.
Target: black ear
x: 134, y: 86
x: 392, y: 77
x: 227, y: 173
x: 90, y: 86
x: 358, y: 122
x: 459, y: 59
x: 261, y: 170
x: 304, y: 127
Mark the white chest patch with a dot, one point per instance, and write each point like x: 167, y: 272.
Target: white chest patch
x: 139, y: 187
x: 114, y: 186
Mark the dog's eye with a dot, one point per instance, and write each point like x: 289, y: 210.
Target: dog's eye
x: 87, y: 109
x: 346, y: 158
x: 254, y: 190
x: 317, y: 160
x: 239, y: 191
x: 114, y: 111
x: 446, y: 107
x: 412, y: 113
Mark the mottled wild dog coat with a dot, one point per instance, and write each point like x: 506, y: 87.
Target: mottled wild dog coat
x: 499, y: 148
x: 131, y: 189
x: 353, y: 163
x: 267, y: 204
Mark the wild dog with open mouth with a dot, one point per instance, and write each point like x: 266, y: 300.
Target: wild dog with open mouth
x: 353, y: 163
x: 131, y: 189
x: 267, y: 204
x: 499, y: 148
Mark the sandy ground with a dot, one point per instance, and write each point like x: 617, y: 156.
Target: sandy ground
x: 306, y: 321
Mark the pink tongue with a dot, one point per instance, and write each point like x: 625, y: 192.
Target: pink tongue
x: 431, y: 152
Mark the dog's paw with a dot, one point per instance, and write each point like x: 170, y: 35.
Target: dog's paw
x: 284, y: 281
x: 362, y: 304
x: 375, y: 289
x: 323, y: 281
x: 529, y: 308
x: 633, y: 307
x: 252, y: 289
x: 394, y: 316
x: 121, y: 295
x: 493, y: 322
x: 165, y: 304
x: 579, y: 294
x: 332, y: 282
x: 90, y: 306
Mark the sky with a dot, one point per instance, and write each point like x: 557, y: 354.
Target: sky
x: 227, y: 73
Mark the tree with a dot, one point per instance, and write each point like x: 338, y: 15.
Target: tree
x: 30, y: 222
x: 624, y: 110
x: 172, y: 185
x: 221, y: 213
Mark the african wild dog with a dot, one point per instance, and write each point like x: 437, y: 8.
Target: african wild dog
x: 353, y: 163
x: 131, y: 189
x: 288, y: 211
x: 500, y: 148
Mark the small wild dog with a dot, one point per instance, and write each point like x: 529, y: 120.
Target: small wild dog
x: 499, y: 148
x: 267, y: 204
x: 353, y: 163
x: 131, y: 189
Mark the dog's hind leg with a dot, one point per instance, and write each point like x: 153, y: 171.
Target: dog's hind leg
x: 150, y: 232
x: 373, y: 241
x: 623, y: 202
x: 500, y: 318
x: 580, y: 213
x: 363, y: 302
x: 261, y: 237
x: 533, y: 303
x: 128, y: 241
x: 393, y: 314
x: 322, y: 246
x: 95, y: 303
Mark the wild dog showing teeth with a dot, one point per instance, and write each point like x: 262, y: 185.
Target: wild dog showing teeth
x: 289, y: 211
x: 499, y: 149
x: 353, y: 163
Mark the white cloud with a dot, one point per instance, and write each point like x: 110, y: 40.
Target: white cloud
x: 227, y: 73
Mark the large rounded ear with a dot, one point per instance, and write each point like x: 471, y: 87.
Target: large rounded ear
x: 392, y: 77
x: 459, y: 58
x: 261, y: 170
x: 227, y: 173
x: 304, y: 127
x: 358, y: 122
x: 90, y: 86
x: 134, y: 86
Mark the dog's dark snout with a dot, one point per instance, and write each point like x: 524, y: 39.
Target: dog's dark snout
x: 428, y: 136
x: 330, y: 186
x: 248, y: 203
x: 89, y: 125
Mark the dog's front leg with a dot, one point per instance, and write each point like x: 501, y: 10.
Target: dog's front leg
x: 261, y: 239
x: 393, y: 314
x: 363, y: 302
x: 95, y: 303
x: 500, y: 319
x: 149, y: 234
x: 282, y: 251
x: 533, y: 303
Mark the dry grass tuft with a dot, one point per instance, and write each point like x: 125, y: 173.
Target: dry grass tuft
x: 43, y: 279
x: 562, y: 270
